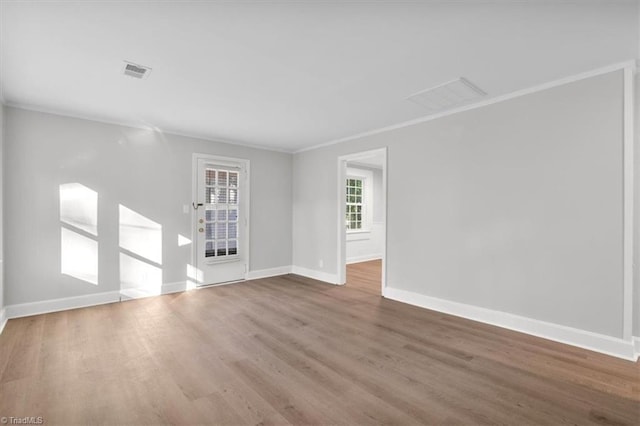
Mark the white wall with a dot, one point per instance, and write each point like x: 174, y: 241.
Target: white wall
x: 362, y: 246
x: 2, y: 108
x: 145, y: 171
x: 514, y: 207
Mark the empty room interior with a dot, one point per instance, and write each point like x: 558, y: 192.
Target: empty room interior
x: 319, y: 212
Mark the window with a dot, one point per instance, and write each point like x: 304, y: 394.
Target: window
x: 221, y: 212
x: 355, y: 204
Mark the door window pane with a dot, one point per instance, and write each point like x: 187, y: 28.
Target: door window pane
x: 209, y: 250
x: 221, y: 198
x: 222, y: 248
x: 210, y: 177
x: 233, y: 247
x: 210, y: 235
x: 222, y: 177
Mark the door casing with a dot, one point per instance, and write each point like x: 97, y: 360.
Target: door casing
x: 341, y: 249
x: 224, y: 161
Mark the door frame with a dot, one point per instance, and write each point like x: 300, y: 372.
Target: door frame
x: 223, y: 161
x: 342, y: 234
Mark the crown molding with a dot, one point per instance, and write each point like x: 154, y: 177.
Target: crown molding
x: 136, y: 125
x: 631, y: 64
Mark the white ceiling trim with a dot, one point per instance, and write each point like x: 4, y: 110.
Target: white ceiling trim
x: 631, y: 64
x: 137, y: 125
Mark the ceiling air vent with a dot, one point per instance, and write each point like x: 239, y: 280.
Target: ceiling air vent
x: 444, y: 96
x: 135, y: 70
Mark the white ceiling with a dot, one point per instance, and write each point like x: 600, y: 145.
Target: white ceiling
x: 289, y: 75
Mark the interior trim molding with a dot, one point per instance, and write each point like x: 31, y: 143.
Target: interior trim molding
x: 3, y: 319
x: 134, y: 125
x: 62, y: 304
x: 88, y: 300
x: 166, y: 288
x: 175, y: 287
x: 628, y: 201
x: 494, y: 100
x: 636, y: 345
x: 270, y: 272
x: 316, y: 275
x: 608, y: 345
x: 85, y: 301
x: 364, y: 258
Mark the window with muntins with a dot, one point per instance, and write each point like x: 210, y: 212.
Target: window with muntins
x: 221, y: 216
x: 355, y: 203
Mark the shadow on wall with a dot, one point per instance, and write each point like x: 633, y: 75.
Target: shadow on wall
x: 140, y: 243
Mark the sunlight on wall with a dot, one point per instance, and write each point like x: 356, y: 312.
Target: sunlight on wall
x: 194, y: 273
x: 183, y: 241
x: 79, y: 256
x: 140, y: 235
x: 140, y: 254
x: 79, y: 207
x: 78, y: 232
x: 139, y: 276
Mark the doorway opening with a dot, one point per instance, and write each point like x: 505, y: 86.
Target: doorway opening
x: 362, y: 220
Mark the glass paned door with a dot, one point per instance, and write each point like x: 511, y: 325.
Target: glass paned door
x: 220, y: 222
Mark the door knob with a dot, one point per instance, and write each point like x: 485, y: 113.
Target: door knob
x: 200, y: 229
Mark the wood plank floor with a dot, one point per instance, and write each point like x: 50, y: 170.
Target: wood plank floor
x: 290, y: 350
x: 365, y: 276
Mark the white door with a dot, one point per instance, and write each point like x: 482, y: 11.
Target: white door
x: 220, y: 210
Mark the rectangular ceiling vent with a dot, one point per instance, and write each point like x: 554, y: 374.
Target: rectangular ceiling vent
x: 448, y: 95
x: 135, y: 70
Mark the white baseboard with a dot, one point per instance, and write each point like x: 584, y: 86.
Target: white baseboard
x: 365, y: 258
x: 3, y: 319
x: 266, y: 273
x: 176, y: 287
x: 636, y: 346
x: 63, y: 304
x: 54, y: 305
x: 316, y: 275
x: 141, y: 292
x: 572, y: 336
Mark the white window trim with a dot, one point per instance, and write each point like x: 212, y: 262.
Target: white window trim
x: 367, y: 202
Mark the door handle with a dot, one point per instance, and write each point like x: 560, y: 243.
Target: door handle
x: 195, y: 206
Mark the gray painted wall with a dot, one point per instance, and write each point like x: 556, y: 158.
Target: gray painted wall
x: 378, y: 207
x: 146, y: 171
x: 515, y: 207
x: 2, y: 298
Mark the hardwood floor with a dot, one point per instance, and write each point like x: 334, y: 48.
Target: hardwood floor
x: 292, y: 350
x: 365, y: 276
